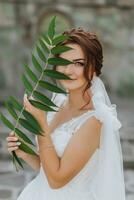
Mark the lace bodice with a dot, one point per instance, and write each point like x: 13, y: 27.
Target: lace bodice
x: 63, y: 133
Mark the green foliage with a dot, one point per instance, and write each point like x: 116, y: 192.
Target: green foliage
x: 27, y: 84
x: 41, y: 106
x: 51, y: 87
x: 15, y: 103
x: 56, y: 75
x: 23, y: 137
x: 36, y: 64
x: 48, y: 45
x: 43, y: 98
x: 60, y: 49
x: 27, y: 149
x: 6, y: 122
x: 59, y: 61
x: 31, y: 75
x: 11, y: 110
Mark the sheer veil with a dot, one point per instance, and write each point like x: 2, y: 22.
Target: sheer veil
x: 108, y: 183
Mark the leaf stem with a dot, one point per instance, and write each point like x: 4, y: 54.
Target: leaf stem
x: 33, y: 89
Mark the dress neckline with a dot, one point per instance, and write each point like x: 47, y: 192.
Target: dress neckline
x: 73, y: 118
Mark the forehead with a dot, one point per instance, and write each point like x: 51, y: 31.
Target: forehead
x: 74, y: 53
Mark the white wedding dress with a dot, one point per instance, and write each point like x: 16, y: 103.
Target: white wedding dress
x: 102, y: 176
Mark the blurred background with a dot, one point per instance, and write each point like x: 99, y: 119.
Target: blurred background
x: 21, y: 23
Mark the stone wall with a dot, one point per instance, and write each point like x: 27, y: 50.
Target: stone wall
x: 111, y: 20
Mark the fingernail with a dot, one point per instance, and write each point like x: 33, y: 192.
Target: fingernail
x: 18, y: 143
x: 31, y: 98
x: 25, y: 95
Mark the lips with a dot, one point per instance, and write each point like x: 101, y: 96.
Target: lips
x: 72, y: 79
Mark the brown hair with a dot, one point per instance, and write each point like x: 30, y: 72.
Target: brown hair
x: 92, y: 50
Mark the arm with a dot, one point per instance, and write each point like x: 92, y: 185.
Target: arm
x: 32, y: 160
x: 60, y: 171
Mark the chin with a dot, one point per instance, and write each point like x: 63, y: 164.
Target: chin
x: 69, y: 86
x: 72, y: 84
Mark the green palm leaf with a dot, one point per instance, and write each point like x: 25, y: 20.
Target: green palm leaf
x: 14, y: 161
x: 43, y: 45
x: 21, y: 135
x: 31, y: 75
x: 26, y: 148
x: 11, y: 110
x: 46, y: 39
x: 60, y: 49
x: 36, y: 64
x: 60, y: 38
x: 6, y: 122
x: 43, y: 98
x: 17, y: 160
x: 31, y: 119
x: 27, y: 84
x: 56, y: 74
x: 51, y: 87
x: 48, y: 46
x: 41, y: 106
x: 28, y: 126
x: 59, y: 61
x: 15, y: 103
x: 41, y: 54
x: 51, y: 28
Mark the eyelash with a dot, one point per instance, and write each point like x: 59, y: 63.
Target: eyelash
x: 80, y: 63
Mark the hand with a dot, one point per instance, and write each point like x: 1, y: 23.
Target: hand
x: 37, y: 113
x: 13, y: 145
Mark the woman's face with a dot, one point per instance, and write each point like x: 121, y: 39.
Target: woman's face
x: 74, y: 70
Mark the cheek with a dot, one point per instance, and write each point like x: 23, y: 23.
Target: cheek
x: 60, y: 69
x: 74, y: 84
x: 79, y: 74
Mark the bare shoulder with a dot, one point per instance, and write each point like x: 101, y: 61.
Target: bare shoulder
x: 90, y: 132
x: 92, y: 123
x: 86, y: 137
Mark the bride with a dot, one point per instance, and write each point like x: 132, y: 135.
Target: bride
x: 80, y: 155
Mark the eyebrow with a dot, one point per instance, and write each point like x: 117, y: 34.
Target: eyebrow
x: 78, y: 59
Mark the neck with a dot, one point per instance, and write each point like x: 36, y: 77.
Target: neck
x: 76, y: 99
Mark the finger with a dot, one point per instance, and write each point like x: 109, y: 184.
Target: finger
x: 26, y: 101
x: 12, y: 149
x: 12, y: 133
x: 13, y: 144
x: 25, y: 96
x: 31, y: 98
x: 12, y: 139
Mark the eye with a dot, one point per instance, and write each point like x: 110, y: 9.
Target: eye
x: 78, y: 64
